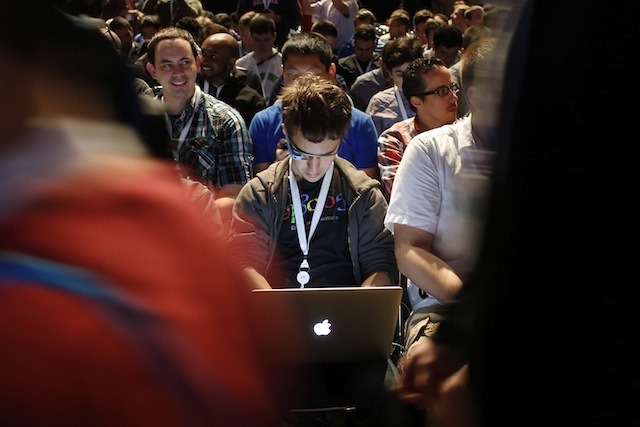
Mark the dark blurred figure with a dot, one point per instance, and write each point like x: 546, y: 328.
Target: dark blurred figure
x: 118, y: 296
x: 548, y: 326
x: 285, y: 13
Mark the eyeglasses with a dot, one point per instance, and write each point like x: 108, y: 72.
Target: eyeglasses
x: 442, y: 91
x: 298, y: 154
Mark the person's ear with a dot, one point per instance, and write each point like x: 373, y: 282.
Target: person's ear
x: 472, y: 96
x: 332, y: 70
x: 151, y: 69
x: 416, y: 101
x: 284, y: 129
x: 198, y: 62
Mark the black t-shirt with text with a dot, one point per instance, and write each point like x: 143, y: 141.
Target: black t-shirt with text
x: 329, y: 257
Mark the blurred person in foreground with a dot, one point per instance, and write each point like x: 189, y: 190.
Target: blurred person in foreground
x: 118, y: 295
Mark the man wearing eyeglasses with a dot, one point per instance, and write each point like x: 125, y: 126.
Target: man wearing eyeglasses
x: 312, y: 219
x: 435, y: 210
x: 311, y: 53
x: 434, y: 100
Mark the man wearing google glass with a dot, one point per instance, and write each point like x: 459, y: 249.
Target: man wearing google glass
x: 279, y: 234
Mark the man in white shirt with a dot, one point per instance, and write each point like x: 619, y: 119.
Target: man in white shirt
x: 265, y: 60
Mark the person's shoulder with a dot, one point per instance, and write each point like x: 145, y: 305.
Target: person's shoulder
x: 447, y: 134
x: 356, y: 178
x: 403, y: 127
x: 270, y: 113
x: 359, y: 117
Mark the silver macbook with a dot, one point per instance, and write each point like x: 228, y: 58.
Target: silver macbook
x: 335, y: 325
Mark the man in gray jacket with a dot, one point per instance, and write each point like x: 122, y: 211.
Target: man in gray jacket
x: 342, y: 244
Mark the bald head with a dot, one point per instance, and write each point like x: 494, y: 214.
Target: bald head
x: 223, y: 41
x: 219, y: 54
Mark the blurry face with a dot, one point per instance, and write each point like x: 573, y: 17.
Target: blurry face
x: 299, y: 64
x: 396, y: 74
x: 448, y: 55
x: 432, y: 110
x: 364, y: 49
x: 312, y: 169
x: 263, y: 43
x: 126, y: 37
x: 396, y: 29
x: 175, y: 69
x: 420, y: 32
x: 477, y: 18
x: 245, y: 37
x: 216, y: 61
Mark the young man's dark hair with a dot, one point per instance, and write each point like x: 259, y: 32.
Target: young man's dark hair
x: 191, y: 25
x: 448, y: 36
x: 314, y: 106
x: 365, y: 32
x: 307, y: 44
x: 412, y: 81
x: 167, y: 34
x: 421, y: 16
x: 262, y: 25
x: 400, y: 50
x: 324, y: 27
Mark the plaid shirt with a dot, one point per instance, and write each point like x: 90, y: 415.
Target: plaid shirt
x: 391, y: 145
x: 217, y: 149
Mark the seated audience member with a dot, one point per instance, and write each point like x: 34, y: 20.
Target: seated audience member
x: 342, y: 14
x: 426, y: 83
x: 364, y: 59
x: 220, y: 77
x: 310, y: 53
x: 346, y: 244
x: 474, y: 15
x: 328, y: 30
x: 419, y: 21
x: 447, y: 42
x: 124, y: 30
x: 457, y: 16
x: 264, y: 61
x: 286, y: 14
x: 211, y: 139
x: 399, y: 24
x: 470, y: 35
x: 429, y: 28
x: 390, y: 106
x: 362, y: 17
x: 170, y: 11
x: 244, y: 32
x: 129, y: 294
x: 436, y: 240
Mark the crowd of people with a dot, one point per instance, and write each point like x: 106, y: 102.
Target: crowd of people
x: 162, y: 158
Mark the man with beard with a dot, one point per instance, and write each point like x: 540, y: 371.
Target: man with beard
x: 219, y: 76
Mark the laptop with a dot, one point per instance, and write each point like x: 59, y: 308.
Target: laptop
x: 335, y: 325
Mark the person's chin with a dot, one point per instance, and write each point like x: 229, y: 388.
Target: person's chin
x: 313, y: 177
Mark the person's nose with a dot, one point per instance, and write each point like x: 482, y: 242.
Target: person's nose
x: 313, y: 164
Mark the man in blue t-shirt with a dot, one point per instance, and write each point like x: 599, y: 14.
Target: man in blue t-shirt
x: 310, y: 53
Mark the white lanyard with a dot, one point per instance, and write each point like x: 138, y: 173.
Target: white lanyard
x: 303, y: 276
x: 187, y: 126
x: 368, y: 66
x: 403, y: 111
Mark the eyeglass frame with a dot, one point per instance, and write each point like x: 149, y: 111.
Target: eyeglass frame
x: 455, y: 88
x: 298, y: 154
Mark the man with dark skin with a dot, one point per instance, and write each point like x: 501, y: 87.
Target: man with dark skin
x: 220, y: 77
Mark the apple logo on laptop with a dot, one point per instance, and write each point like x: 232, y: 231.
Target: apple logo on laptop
x: 322, y: 328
